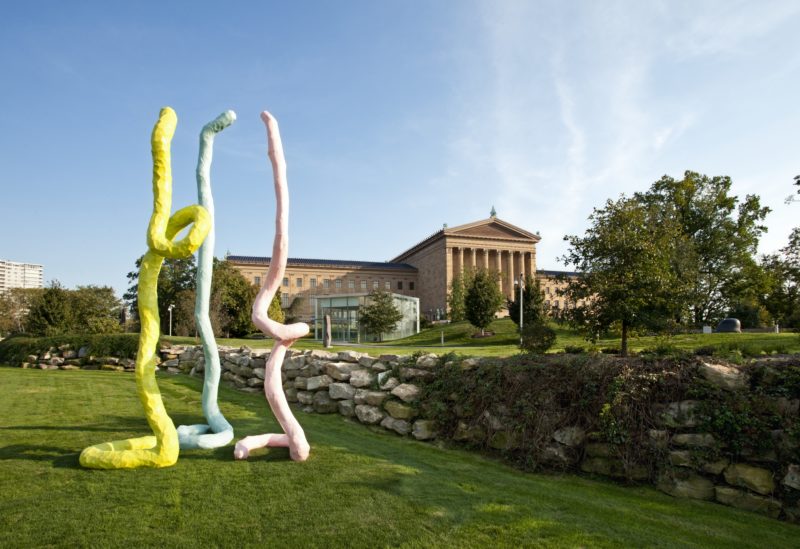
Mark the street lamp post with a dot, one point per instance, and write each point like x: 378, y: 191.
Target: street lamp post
x: 171, y: 306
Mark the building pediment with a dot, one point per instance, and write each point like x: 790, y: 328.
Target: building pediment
x: 492, y: 228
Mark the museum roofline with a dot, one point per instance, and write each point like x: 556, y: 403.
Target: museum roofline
x: 340, y: 263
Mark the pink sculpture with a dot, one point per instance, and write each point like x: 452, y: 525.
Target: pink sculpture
x: 293, y: 436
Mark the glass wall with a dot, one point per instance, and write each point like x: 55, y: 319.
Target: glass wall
x: 343, y: 311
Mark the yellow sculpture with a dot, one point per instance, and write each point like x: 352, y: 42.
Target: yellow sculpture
x: 162, y: 449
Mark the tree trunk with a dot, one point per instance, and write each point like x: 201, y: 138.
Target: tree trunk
x: 624, y: 346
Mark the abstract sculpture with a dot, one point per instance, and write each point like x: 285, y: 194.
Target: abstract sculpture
x: 293, y: 436
x: 160, y: 450
x: 197, y: 436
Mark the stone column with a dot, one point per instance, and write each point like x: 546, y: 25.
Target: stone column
x: 511, y: 274
x: 498, y: 255
x: 473, y: 258
x: 485, y: 259
x: 529, y: 270
x: 460, y: 260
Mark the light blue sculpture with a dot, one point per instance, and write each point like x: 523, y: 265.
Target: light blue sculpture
x: 221, y: 432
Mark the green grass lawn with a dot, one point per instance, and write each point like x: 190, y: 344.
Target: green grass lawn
x: 360, y: 488
x: 505, y: 341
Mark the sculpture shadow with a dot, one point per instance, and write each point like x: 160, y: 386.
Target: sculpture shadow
x: 59, y: 457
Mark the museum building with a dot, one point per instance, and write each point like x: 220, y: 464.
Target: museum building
x: 424, y: 272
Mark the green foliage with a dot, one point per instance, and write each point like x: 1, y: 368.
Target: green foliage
x: 718, y: 239
x: 50, y: 314
x: 15, y: 350
x: 533, y: 303
x: 627, y: 261
x: 456, y: 311
x: 483, y: 299
x: 15, y: 304
x: 176, y: 276
x: 87, y: 309
x: 379, y: 315
x: 275, y: 311
x: 537, y: 337
x: 232, y: 298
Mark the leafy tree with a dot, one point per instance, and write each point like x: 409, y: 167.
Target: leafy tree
x: 458, y: 291
x: 380, y: 315
x: 96, y: 310
x: 275, y: 311
x: 628, y: 273
x: 232, y: 295
x: 537, y: 337
x: 483, y: 299
x: 533, y: 303
x: 781, y: 297
x: 176, y: 275
x: 15, y: 304
x: 720, y: 236
x: 50, y: 313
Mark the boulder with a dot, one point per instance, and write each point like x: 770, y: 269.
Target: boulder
x: 366, y: 361
x: 254, y: 382
x: 470, y: 363
x: 556, y: 454
x: 414, y: 373
x: 291, y: 394
x: 83, y: 352
x: 694, y: 440
x: 324, y: 355
x: 379, y: 366
x: 680, y: 414
x: 340, y: 370
x: 389, y: 383
x: 361, y: 378
x: 293, y: 363
x: 300, y: 383
x: 390, y: 358
x: 323, y: 404
x: 398, y: 410
x: 466, y: 432
x: 260, y: 373
x: 369, y: 414
x: 427, y: 361
x: 361, y: 396
x: 659, y: 439
x: 406, y: 392
x: 686, y: 486
x: 349, y: 356
x: 715, y: 467
x: 347, y: 408
x: 747, y: 501
x: 69, y: 354
x: 599, y: 449
x: 570, y: 436
x: 613, y: 468
x: 725, y: 377
x: 311, y: 369
x: 375, y: 398
x: 792, y: 478
x: 754, y: 478
x: 318, y: 382
x: 341, y: 391
x: 680, y: 458
x: 257, y: 362
x: 400, y: 426
x: 423, y: 429
x: 304, y: 397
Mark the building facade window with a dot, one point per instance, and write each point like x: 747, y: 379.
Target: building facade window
x: 375, y: 284
x: 327, y: 284
x: 284, y: 300
x: 399, y: 284
x: 313, y: 282
x: 299, y: 282
x: 258, y: 281
x: 410, y: 285
x: 286, y: 282
x: 363, y: 284
x: 387, y: 285
x: 338, y: 283
x: 351, y: 284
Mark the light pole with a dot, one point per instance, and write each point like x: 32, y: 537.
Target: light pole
x: 171, y: 306
x: 521, y: 285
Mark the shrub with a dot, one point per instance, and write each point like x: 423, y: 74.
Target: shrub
x: 574, y: 349
x: 537, y: 337
x: 15, y: 350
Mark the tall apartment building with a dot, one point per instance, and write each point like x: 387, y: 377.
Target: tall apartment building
x: 20, y: 275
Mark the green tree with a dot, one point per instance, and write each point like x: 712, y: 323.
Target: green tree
x: 50, y: 313
x: 720, y: 236
x: 275, y: 311
x: 15, y: 305
x: 483, y: 299
x: 628, y: 274
x: 379, y: 315
x: 176, y: 275
x: 95, y: 310
x: 533, y: 306
x: 781, y: 297
x: 458, y: 291
x: 234, y: 295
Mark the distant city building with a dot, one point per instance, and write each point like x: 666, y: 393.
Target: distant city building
x: 424, y: 271
x: 20, y: 275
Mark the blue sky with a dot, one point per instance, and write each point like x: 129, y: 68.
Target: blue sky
x: 397, y: 117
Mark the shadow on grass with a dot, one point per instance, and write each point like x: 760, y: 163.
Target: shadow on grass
x: 60, y: 457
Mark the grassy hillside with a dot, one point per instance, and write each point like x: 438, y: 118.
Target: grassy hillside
x: 360, y: 488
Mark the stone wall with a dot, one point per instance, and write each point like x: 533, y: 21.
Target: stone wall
x: 385, y: 391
